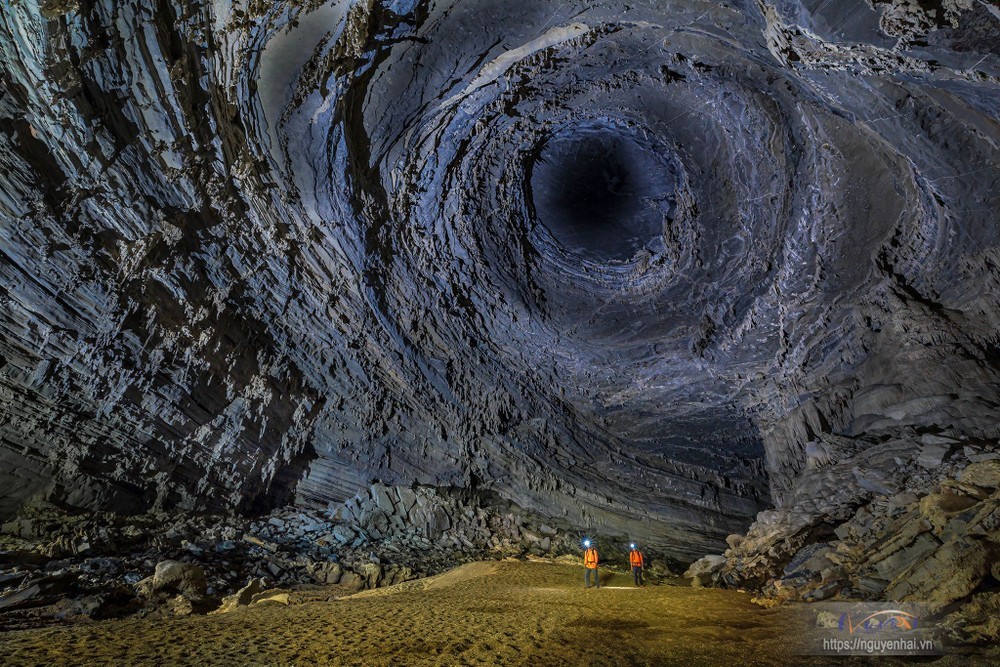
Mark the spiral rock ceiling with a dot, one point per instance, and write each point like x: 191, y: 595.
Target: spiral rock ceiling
x: 616, y: 263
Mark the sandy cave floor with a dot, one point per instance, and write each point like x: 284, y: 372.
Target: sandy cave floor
x: 502, y: 613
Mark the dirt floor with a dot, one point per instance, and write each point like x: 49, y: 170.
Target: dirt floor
x: 499, y: 613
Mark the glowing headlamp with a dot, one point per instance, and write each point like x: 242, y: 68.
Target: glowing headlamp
x: 586, y: 543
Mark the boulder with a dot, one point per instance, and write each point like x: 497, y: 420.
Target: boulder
x: 937, y: 508
x: 115, y: 602
x: 371, y: 574
x: 382, y: 499
x: 978, y: 454
x: 702, y: 572
x: 932, y: 440
x: 932, y: 455
x: 276, y: 597
x: 985, y: 474
x: 874, y: 480
x: 326, y: 573
x: 397, y: 574
x: 407, y: 499
x: 12, y: 579
x: 352, y: 581
x: 823, y: 592
x: 986, y: 522
x: 809, y: 559
x: 187, y: 579
x: 343, y: 534
x: 378, y: 524
x: 241, y: 598
x: 181, y: 606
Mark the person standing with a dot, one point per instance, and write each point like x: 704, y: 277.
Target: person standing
x: 590, y: 564
x: 637, y: 562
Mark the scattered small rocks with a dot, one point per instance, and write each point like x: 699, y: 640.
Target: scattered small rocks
x: 880, y: 523
x: 58, y: 566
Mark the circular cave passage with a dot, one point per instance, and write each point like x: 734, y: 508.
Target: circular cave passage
x: 602, y: 193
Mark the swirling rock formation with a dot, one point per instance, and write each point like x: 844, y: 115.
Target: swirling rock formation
x: 616, y: 263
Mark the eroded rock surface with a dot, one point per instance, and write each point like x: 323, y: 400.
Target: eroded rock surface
x: 926, y: 536
x: 100, y: 565
x: 617, y: 264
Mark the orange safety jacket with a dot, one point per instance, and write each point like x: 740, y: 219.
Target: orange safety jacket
x: 590, y: 558
x: 635, y: 558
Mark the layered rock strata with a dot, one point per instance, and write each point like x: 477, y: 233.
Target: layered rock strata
x: 616, y: 264
x: 890, y: 522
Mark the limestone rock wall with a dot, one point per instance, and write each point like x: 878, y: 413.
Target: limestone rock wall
x: 617, y: 264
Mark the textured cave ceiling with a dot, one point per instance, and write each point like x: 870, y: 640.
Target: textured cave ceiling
x: 617, y: 263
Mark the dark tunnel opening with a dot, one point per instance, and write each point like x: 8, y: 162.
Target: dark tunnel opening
x: 601, y: 193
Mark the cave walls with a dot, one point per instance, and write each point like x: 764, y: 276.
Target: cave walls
x: 617, y: 264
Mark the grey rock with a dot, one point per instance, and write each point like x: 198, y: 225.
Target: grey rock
x: 809, y: 559
x: 979, y: 454
x: 951, y: 573
x: 903, y: 560
x: 874, y: 480
x: 407, y: 499
x: 241, y: 598
x: 702, y: 571
x: 39, y: 591
x: 901, y: 501
x: 226, y: 285
x: 343, y: 534
x: 931, y: 455
x: 823, y: 592
x: 380, y: 494
x: 327, y: 573
x: 932, y: 440
x: 12, y: 579
x: 352, y: 581
x: 175, y: 576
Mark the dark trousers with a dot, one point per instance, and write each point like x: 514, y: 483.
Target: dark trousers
x: 637, y: 574
x: 587, y: 575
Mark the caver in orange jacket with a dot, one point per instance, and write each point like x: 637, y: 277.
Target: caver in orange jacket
x: 635, y: 558
x: 590, y: 558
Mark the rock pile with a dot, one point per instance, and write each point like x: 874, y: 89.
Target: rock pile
x: 884, y: 521
x: 54, y: 566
